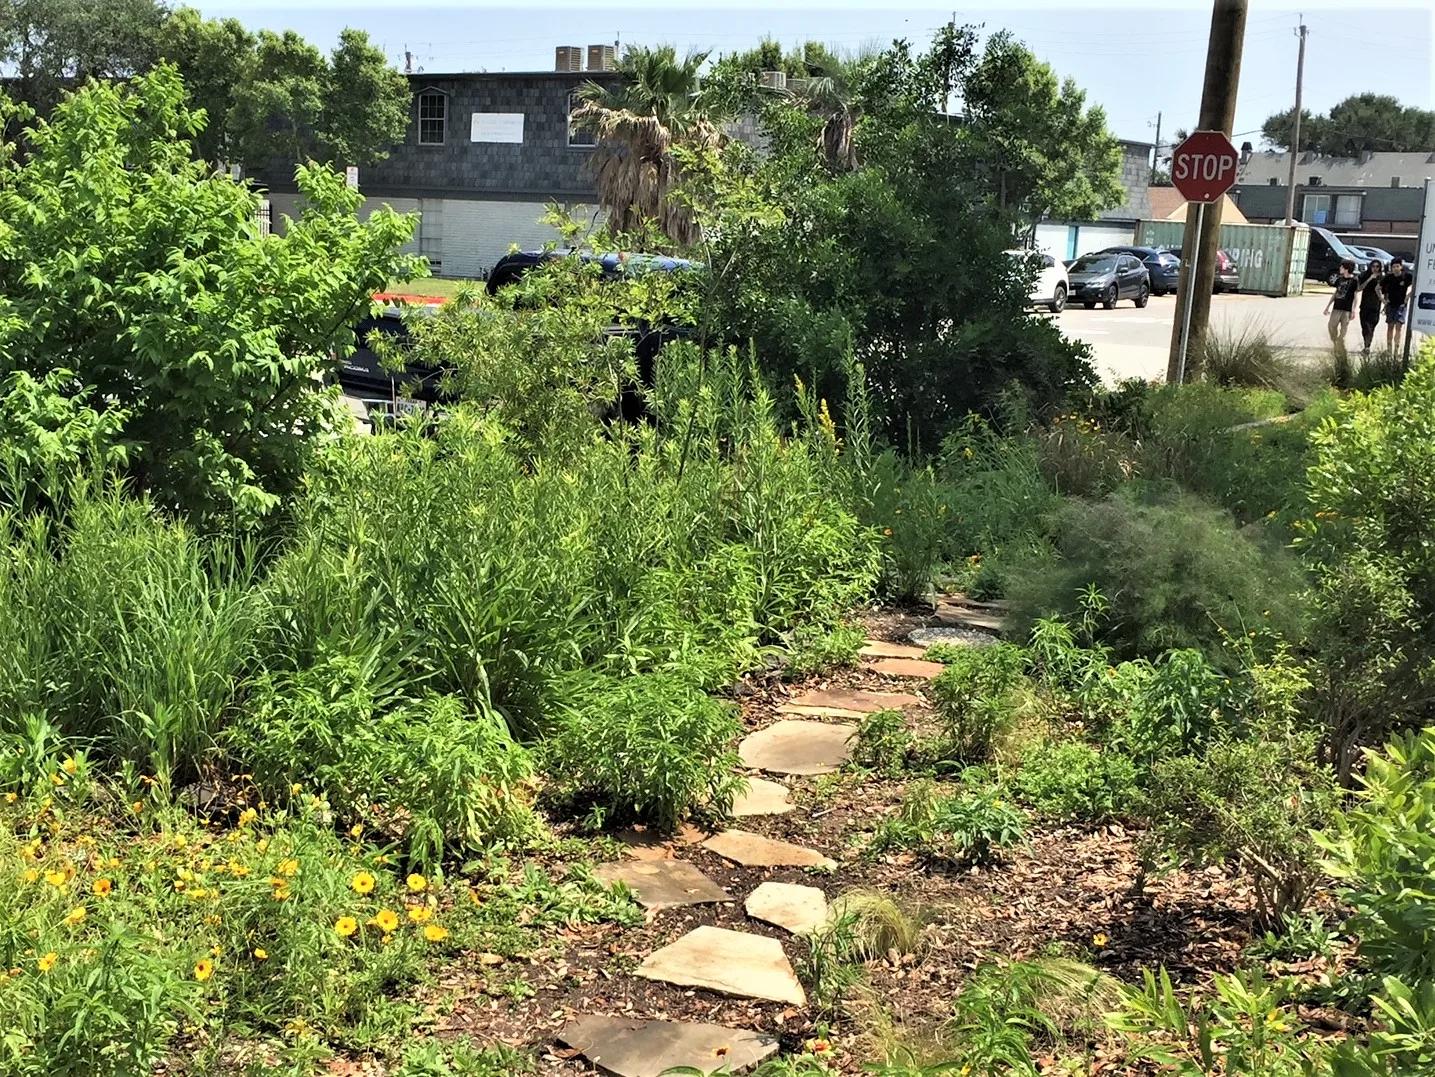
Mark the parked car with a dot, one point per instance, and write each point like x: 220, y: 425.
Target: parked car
x: 1375, y: 254
x: 1327, y: 251
x: 1050, y: 288
x: 389, y: 392
x: 1228, y: 274
x: 1107, y: 279
x: 1163, y: 266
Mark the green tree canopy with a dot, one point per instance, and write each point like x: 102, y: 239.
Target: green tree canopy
x: 1046, y: 152
x: 1365, y: 121
x: 216, y: 58
x: 135, y: 280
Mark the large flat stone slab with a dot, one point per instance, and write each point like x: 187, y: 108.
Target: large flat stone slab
x: 663, y: 884
x: 755, y: 851
x: 629, y: 1047
x: 799, y: 909
x: 876, y: 648
x: 793, y: 747
x: 967, y: 617
x: 729, y: 962
x: 762, y: 798
x: 847, y: 703
x: 908, y: 667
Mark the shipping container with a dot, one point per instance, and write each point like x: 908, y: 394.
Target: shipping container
x: 1269, y: 257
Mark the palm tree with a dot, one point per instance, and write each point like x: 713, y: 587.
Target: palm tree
x: 638, y: 121
x: 828, y: 92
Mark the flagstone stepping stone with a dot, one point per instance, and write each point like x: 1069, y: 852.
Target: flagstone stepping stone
x: 662, y: 884
x: 762, y: 798
x: 876, y: 648
x: 908, y: 667
x: 755, y: 851
x: 793, y: 747
x: 970, y: 618
x: 952, y: 637
x: 631, y: 1047
x: 729, y: 962
x: 847, y: 703
x: 799, y: 909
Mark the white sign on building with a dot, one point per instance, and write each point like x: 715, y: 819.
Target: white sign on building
x: 497, y: 127
x: 1422, y: 303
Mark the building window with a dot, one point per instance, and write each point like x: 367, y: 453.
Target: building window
x: 1274, y: 182
x: 1316, y: 209
x: 1347, y: 211
x: 579, y: 134
x: 1395, y: 181
x: 433, y: 113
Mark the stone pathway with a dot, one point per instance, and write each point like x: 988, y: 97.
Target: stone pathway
x: 756, y: 851
x: 729, y: 962
x: 843, y: 703
x: 663, y: 884
x: 803, y: 748
x: 739, y: 963
x: 635, y: 1048
x: 952, y: 637
x: 799, y: 909
x: 762, y: 798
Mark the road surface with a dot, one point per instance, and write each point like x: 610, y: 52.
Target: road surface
x: 1132, y: 343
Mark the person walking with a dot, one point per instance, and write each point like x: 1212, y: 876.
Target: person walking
x: 1342, y: 301
x: 1396, y: 289
x: 1370, y: 299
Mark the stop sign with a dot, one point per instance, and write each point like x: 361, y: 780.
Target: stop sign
x: 1204, y: 166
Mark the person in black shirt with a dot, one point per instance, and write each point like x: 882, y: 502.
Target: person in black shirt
x: 1341, y: 304
x: 1396, y: 288
x: 1370, y: 300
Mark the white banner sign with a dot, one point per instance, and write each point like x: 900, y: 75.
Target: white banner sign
x: 1422, y: 303
x: 497, y: 127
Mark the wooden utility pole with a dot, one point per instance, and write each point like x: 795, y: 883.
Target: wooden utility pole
x: 1218, y: 113
x: 1295, y: 134
x: 1156, y: 153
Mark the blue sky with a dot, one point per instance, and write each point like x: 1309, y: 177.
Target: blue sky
x: 1133, y: 60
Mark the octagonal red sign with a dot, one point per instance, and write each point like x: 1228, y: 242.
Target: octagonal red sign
x: 1204, y: 166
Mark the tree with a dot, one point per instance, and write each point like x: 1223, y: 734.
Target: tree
x: 638, y: 121
x: 277, y: 109
x: 52, y: 45
x: 1046, y: 152
x: 366, y: 102
x: 1366, y: 121
x: 143, y: 274
x: 898, y: 263
x: 216, y: 57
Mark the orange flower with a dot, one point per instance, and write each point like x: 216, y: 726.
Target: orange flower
x: 102, y: 887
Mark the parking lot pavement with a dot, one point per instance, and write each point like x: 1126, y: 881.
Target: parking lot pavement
x: 1132, y: 343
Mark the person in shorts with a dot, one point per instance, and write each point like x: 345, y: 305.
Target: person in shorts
x: 1342, y: 302
x: 1396, y: 289
x: 1371, y: 298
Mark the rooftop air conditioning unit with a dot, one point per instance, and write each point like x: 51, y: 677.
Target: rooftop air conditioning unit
x: 773, y: 80
x: 568, y: 58
x: 602, y: 58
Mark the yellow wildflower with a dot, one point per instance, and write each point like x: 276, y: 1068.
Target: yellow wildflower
x: 69, y: 765
x: 203, y: 969
x: 417, y: 882
x: 420, y: 913
x: 346, y: 926
x: 261, y: 954
x: 75, y: 915
x: 434, y: 933
x: 47, y: 962
x: 102, y: 887
x: 362, y: 883
x: 1099, y: 940
x: 287, y: 867
x: 385, y: 919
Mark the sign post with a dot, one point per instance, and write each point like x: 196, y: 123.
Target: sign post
x: 1203, y: 169
x: 1421, y: 311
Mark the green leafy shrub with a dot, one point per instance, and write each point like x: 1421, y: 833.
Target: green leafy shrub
x: 1383, y: 850
x: 1163, y: 708
x: 883, y: 743
x: 434, y: 774
x: 650, y: 747
x: 966, y: 828
x: 1175, y: 572
x: 1073, y: 780
x: 974, y: 701
x: 143, y: 270
x: 1372, y: 496
x: 1252, y: 802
